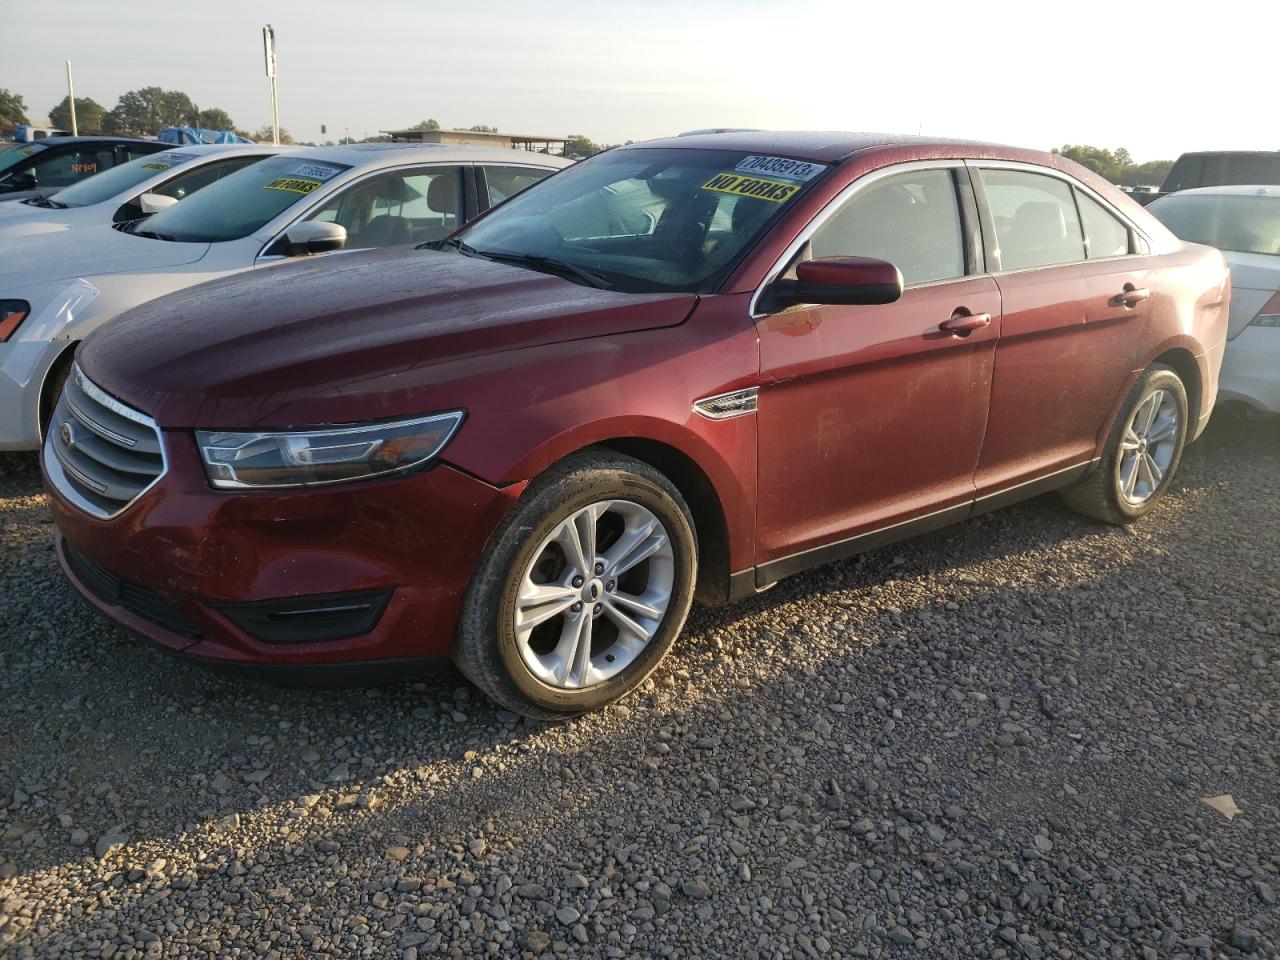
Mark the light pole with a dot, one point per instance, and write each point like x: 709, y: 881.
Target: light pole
x: 71, y: 101
x: 269, y: 52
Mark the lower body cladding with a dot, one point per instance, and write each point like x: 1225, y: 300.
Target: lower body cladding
x: 1251, y: 369
x: 349, y: 583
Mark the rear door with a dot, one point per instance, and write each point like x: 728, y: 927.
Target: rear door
x: 1076, y: 285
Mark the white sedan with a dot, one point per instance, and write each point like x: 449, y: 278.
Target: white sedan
x: 1244, y: 223
x: 55, y: 288
x: 131, y: 191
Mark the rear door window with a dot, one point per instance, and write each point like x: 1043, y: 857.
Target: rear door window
x: 1035, y: 219
x: 911, y: 220
x: 504, y: 182
x: 1105, y: 235
x: 65, y: 167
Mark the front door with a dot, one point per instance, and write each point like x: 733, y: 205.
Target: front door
x: 870, y: 416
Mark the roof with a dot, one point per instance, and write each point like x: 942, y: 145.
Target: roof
x: 502, y: 134
x: 60, y: 140
x: 397, y: 153
x: 203, y: 149
x: 1231, y: 190
x: 820, y: 146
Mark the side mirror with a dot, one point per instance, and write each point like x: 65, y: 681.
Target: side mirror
x: 25, y: 181
x: 840, y: 280
x: 315, y: 236
x: 155, y: 202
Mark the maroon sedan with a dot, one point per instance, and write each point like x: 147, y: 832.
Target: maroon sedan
x: 684, y: 368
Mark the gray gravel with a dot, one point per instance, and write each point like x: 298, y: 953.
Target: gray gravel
x: 988, y: 743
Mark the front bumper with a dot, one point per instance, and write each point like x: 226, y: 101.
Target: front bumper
x: 1251, y: 369
x: 180, y: 564
x: 24, y: 365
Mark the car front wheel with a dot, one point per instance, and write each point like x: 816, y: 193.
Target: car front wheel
x: 582, y: 590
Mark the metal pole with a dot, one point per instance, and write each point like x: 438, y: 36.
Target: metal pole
x: 269, y: 52
x: 71, y: 101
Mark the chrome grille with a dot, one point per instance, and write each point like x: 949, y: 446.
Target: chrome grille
x: 100, y: 453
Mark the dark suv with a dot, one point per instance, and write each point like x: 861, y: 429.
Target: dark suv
x: 46, y: 166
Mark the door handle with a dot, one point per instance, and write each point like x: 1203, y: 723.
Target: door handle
x: 1130, y: 296
x: 963, y: 324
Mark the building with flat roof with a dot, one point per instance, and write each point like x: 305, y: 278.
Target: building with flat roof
x: 475, y: 138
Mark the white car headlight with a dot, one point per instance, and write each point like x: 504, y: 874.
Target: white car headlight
x: 297, y: 458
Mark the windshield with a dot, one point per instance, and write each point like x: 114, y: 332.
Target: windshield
x: 1242, y: 224
x: 105, y: 185
x: 236, y: 206
x: 644, y: 220
x: 14, y: 155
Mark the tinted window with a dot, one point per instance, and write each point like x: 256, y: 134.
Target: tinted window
x: 241, y: 203
x: 1241, y: 223
x: 404, y: 207
x: 646, y: 219
x: 189, y: 182
x: 503, y: 182
x: 1104, y: 234
x: 911, y: 220
x: 1035, y: 219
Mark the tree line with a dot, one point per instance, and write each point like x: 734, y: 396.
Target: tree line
x: 144, y: 111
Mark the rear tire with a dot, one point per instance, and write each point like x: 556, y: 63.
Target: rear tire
x: 1142, y: 454
x: 546, y: 639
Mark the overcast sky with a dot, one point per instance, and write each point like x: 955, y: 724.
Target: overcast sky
x: 1113, y: 74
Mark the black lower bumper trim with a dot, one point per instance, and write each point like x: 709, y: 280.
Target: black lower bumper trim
x: 326, y: 676
x: 316, y: 618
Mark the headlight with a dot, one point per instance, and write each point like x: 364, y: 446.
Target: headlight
x: 12, y: 313
x: 236, y: 461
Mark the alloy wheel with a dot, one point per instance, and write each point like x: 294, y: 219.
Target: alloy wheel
x: 594, y: 594
x: 1148, y: 446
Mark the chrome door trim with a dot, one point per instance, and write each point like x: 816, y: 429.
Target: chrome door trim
x: 830, y: 208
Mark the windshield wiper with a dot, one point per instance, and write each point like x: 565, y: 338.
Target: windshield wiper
x: 47, y: 202
x: 542, y: 264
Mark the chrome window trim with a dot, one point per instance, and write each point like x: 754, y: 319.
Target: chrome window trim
x: 53, y: 463
x: 262, y: 257
x: 829, y: 210
x: 1021, y: 167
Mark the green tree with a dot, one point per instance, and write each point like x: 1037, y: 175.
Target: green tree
x: 481, y: 128
x: 263, y: 135
x: 1098, y: 159
x: 215, y: 118
x: 12, y: 110
x: 89, y: 114
x: 425, y: 125
x: 147, y: 110
x: 1117, y: 166
x: 578, y: 147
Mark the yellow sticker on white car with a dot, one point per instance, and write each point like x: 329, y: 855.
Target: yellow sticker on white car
x: 156, y: 166
x: 294, y: 184
x: 760, y: 188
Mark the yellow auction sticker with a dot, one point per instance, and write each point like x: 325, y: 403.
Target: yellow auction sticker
x: 293, y: 184
x: 155, y: 166
x: 762, y: 188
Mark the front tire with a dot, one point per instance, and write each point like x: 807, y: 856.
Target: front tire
x: 1142, y: 454
x: 582, y: 589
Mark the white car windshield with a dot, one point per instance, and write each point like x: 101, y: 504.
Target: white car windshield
x: 14, y: 155
x: 238, y: 205
x: 643, y: 219
x: 105, y: 185
x: 1242, y: 224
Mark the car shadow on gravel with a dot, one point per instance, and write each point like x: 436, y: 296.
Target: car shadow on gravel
x: 1002, y: 667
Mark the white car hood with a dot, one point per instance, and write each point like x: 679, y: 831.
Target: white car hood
x: 88, y: 252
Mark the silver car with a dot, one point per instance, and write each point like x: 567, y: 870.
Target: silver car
x: 1244, y: 223
x: 56, y: 288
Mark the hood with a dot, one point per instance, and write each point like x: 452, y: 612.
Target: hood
x: 26, y: 194
x: 88, y: 252
x: 368, y: 325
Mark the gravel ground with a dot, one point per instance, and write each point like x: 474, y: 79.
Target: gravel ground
x: 992, y: 742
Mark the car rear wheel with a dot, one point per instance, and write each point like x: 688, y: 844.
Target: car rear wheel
x: 582, y: 590
x: 1142, y: 453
